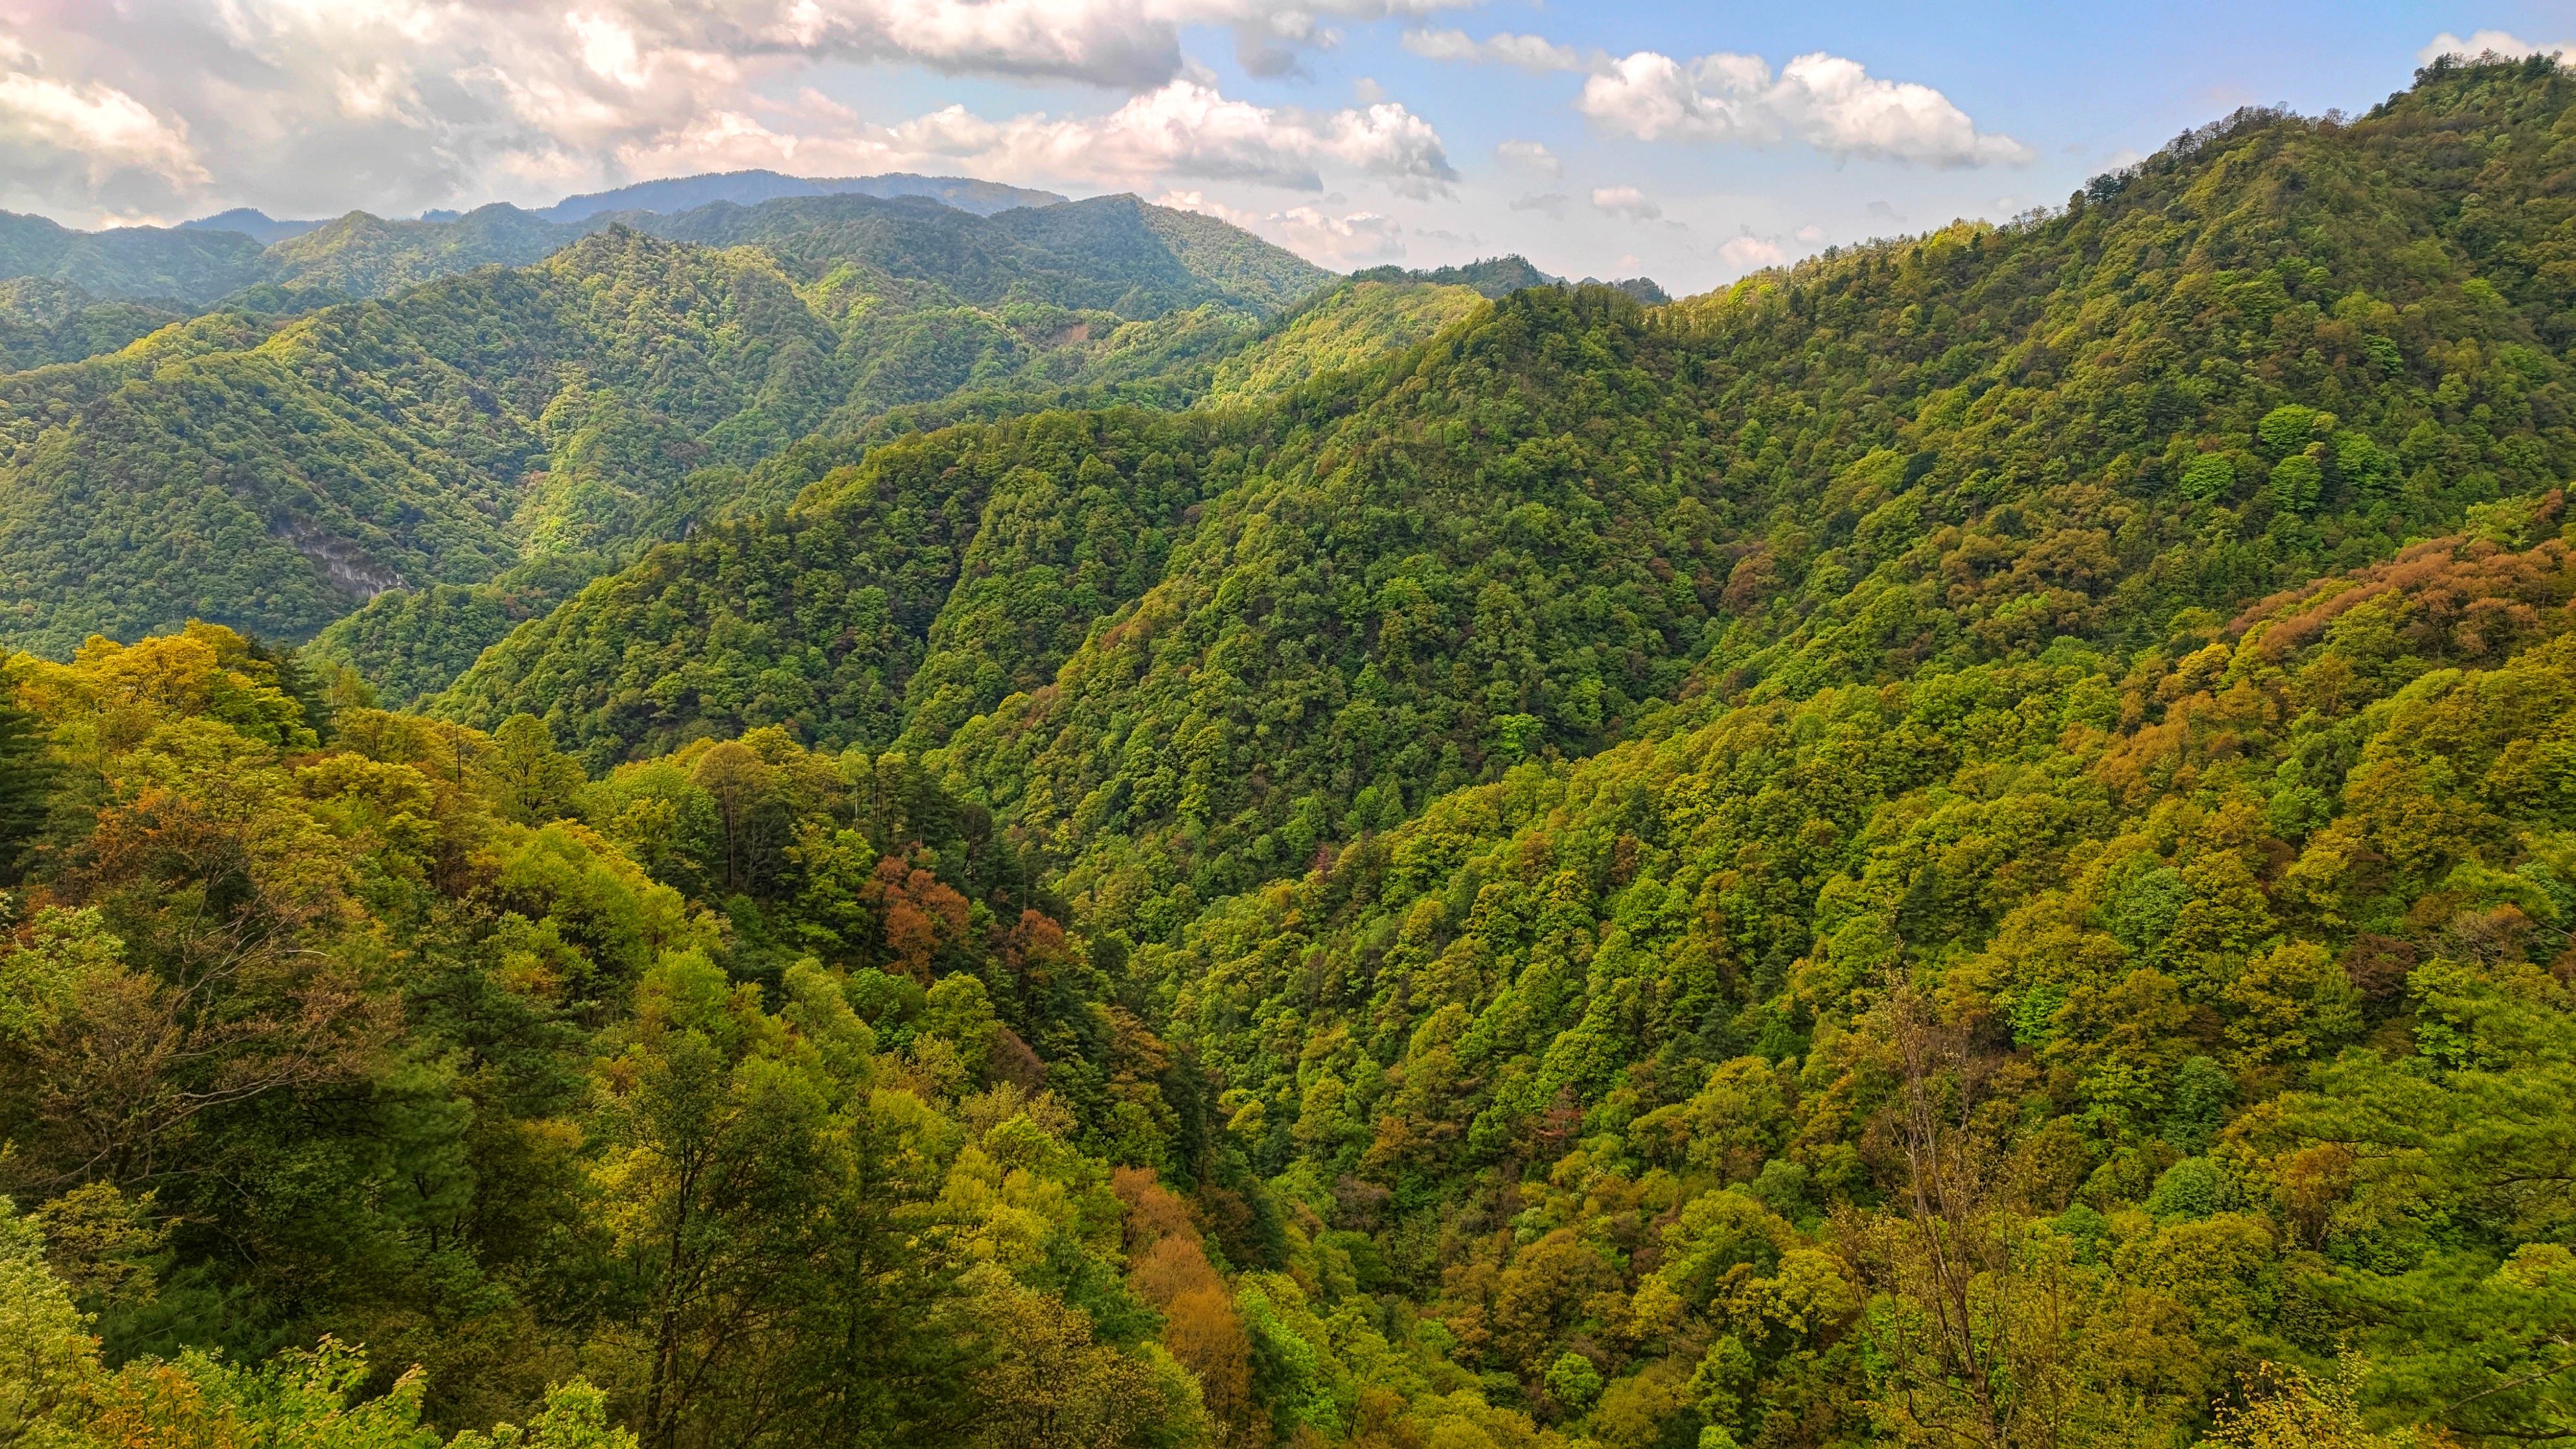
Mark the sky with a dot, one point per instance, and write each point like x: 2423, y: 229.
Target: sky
x: 1689, y: 142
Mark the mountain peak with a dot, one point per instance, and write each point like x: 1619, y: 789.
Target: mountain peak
x: 259, y: 226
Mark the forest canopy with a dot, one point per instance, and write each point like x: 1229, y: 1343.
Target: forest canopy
x: 1972, y: 842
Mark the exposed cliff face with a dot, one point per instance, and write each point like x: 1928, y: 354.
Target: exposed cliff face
x: 344, y: 565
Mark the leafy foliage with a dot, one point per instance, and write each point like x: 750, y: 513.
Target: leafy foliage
x: 985, y: 551
x: 43, y: 322
x: 521, y: 430
x: 1968, y: 844
x: 1338, y: 330
x: 363, y: 256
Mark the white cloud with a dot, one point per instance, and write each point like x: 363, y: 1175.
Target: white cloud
x: 1186, y: 129
x: 1553, y: 203
x: 1808, y: 235
x: 1529, y: 52
x: 99, y: 128
x: 1531, y: 156
x: 1625, y: 201
x: 1826, y: 101
x: 1750, y: 253
x: 167, y: 106
x: 1361, y: 238
x: 2483, y: 41
x: 1183, y: 129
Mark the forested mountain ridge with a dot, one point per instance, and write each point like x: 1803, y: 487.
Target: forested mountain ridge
x: 359, y: 255
x: 43, y: 322
x: 1111, y: 253
x: 384, y: 443
x: 506, y: 421
x: 1833, y: 490
x: 750, y: 188
x: 1568, y: 512
x: 1970, y: 843
x: 203, y: 262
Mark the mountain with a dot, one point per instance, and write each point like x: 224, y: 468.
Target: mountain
x: 1502, y: 276
x: 142, y: 262
x: 1604, y: 769
x: 1972, y: 841
x: 364, y: 256
x: 750, y: 188
x: 1112, y: 253
x: 259, y: 226
x: 530, y: 429
x: 201, y: 263
x: 1643, y: 289
x: 272, y: 475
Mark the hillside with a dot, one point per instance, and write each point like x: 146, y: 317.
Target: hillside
x: 1112, y: 253
x: 1336, y: 331
x: 1606, y: 750
x: 1971, y: 842
x: 1526, y: 537
x: 435, y: 438
x: 532, y: 429
x: 136, y: 262
x: 362, y: 256
x: 43, y: 322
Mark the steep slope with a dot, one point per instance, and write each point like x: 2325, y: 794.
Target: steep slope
x: 2181, y: 394
x: 1338, y: 330
x: 2214, y: 959
x: 530, y: 430
x: 2191, y: 388
x: 2061, y: 960
x: 1053, y: 522
x: 907, y: 340
x: 434, y: 438
x: 987, y: 550
x: 43, y: 322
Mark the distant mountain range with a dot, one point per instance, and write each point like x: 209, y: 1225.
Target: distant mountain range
x: 246, y: 259
x: 259, y: 226
x: 540, y: 421
x: 750, y: 188
x: 230, y: 253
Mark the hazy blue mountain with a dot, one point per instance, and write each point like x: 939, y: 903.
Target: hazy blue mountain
x: 1114, y: 253
x: 259, y: 226
x: 750, y: 188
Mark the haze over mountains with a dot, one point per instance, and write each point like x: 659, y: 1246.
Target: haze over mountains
x: 841, y: 820
x: 750, y: 188
x: 202, y: 260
